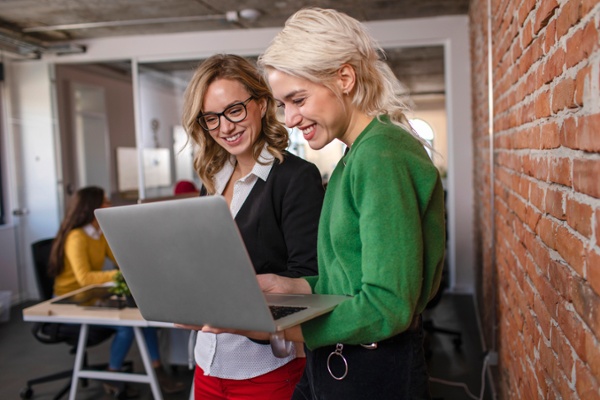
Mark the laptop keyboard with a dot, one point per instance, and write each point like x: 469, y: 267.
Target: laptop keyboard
x: 283, y: 311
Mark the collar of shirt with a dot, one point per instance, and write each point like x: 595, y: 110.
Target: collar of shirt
x: 92, y: 232
x: 259, y: 170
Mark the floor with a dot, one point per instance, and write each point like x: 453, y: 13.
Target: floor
x: 23, y: 357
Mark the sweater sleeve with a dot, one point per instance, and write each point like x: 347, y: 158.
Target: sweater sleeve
x: 86, y: 259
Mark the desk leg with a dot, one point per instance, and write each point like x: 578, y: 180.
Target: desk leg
x: 141, y: 342
x: 83, y: 334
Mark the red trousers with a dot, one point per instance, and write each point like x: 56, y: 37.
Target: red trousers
x: 275, y: 385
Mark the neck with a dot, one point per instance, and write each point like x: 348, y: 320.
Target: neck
x: 244, y: 165
x: 358, y: 122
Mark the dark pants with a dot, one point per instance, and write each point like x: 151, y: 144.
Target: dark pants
x: 395, y: 370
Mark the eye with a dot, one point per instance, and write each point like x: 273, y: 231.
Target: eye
x: 298, y: 101
x: 210, y: 119
x: 280, y: 105
x: 235, y: 110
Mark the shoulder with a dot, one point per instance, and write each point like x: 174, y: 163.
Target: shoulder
x: 385, y: 140
x: 76, y: 234
x: 293, y: 164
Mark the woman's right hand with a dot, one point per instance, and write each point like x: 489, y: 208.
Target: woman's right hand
x: 271, y: 283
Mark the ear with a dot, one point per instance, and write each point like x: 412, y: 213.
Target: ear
x: 346, y: 78
x: 262, y: 103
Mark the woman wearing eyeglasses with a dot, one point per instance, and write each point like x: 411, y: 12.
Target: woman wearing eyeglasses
x: 275, y: 198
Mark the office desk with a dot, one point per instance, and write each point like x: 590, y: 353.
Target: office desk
x: 49, y: 311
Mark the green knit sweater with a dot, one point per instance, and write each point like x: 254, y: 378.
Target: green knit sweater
x: 381, y: 238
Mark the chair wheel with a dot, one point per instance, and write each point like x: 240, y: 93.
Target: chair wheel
x: 26, y: 392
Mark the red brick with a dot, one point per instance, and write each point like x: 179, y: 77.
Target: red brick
x: 582, y: 82
x: 563, y: 95
x: 585, y: 383
x: 542, y: 105
x: 581, y: 45
x: 560, y: 278
x: 555, y: 200
x: 572, y: 328
x: 563, y: 349
x: 542, y: 315
x: 569, y: 133
x: 536, y: 196
x: 587, y: 305
x: 559, y: 171
x: 549, y: 136
x: 571, y: 249
x: 567, y: 17
x: 597, y: 227
x: 546, y: 230
x: 593, y: 270
x: 579, y: 216
x: 544, y: 13
x: 585, y: 177
x: 550, y: 36
x: 588, y: 133
x: 587, y: 5
x: 553, y: 66
x: 592, y: 352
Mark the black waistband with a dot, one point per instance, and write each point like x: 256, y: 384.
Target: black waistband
x: 414, y: 326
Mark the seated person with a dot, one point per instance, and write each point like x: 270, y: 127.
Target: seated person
x: 77, y: 259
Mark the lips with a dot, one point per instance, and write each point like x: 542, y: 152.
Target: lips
x: 309, y: 131
x: 233, y: 138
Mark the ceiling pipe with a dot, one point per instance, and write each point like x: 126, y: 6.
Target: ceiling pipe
x: 30, y: 49
x: 230, y: 16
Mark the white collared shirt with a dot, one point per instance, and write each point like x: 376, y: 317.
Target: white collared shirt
x: 92, y: 232
x: 226, y: 355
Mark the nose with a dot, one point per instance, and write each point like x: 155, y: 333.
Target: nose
x: 225, y: 125
x: 292, y: 117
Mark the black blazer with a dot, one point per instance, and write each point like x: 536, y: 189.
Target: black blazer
x: 279, y: 219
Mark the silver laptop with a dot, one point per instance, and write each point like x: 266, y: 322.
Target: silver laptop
x: 185, y: 262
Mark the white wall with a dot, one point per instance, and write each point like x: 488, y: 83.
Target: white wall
x: 32, y: 150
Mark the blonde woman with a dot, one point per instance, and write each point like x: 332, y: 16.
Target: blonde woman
x: 381, y: 233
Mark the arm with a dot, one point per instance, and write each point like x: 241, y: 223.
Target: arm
x: 300, y: 211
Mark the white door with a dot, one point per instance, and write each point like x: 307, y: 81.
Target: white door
x: 92, y: 154
x: 31, y: 156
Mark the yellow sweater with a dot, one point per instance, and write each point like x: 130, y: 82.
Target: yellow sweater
x: 84, y: 259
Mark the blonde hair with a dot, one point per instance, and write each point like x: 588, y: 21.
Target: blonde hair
x: 209, y: 156
x: 316, y: 42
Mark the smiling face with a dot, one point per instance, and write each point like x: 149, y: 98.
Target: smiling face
x: 314, y: 109
x: 237, y: 138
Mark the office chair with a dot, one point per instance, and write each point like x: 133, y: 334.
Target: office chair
x: 52, y: 333
x: 429, y: 326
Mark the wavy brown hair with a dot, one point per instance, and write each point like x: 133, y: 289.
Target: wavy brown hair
x: 209, y: 157
x: 80, y: 212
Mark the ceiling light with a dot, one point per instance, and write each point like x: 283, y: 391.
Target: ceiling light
x: 231, y: 16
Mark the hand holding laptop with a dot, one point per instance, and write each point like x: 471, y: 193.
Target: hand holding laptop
x: 269, y: 283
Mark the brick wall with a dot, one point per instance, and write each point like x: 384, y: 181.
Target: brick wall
x: 538, y: 288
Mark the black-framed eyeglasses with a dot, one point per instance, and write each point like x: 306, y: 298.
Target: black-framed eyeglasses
x: 234, y: 113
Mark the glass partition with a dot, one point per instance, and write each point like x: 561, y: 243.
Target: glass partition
x: 166, y: 156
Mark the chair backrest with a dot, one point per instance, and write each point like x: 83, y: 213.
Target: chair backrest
x: 41, y: 256
x: 49, y: 332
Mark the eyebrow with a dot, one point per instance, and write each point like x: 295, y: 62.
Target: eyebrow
x: 226, y: 107
x: 292, y: 94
